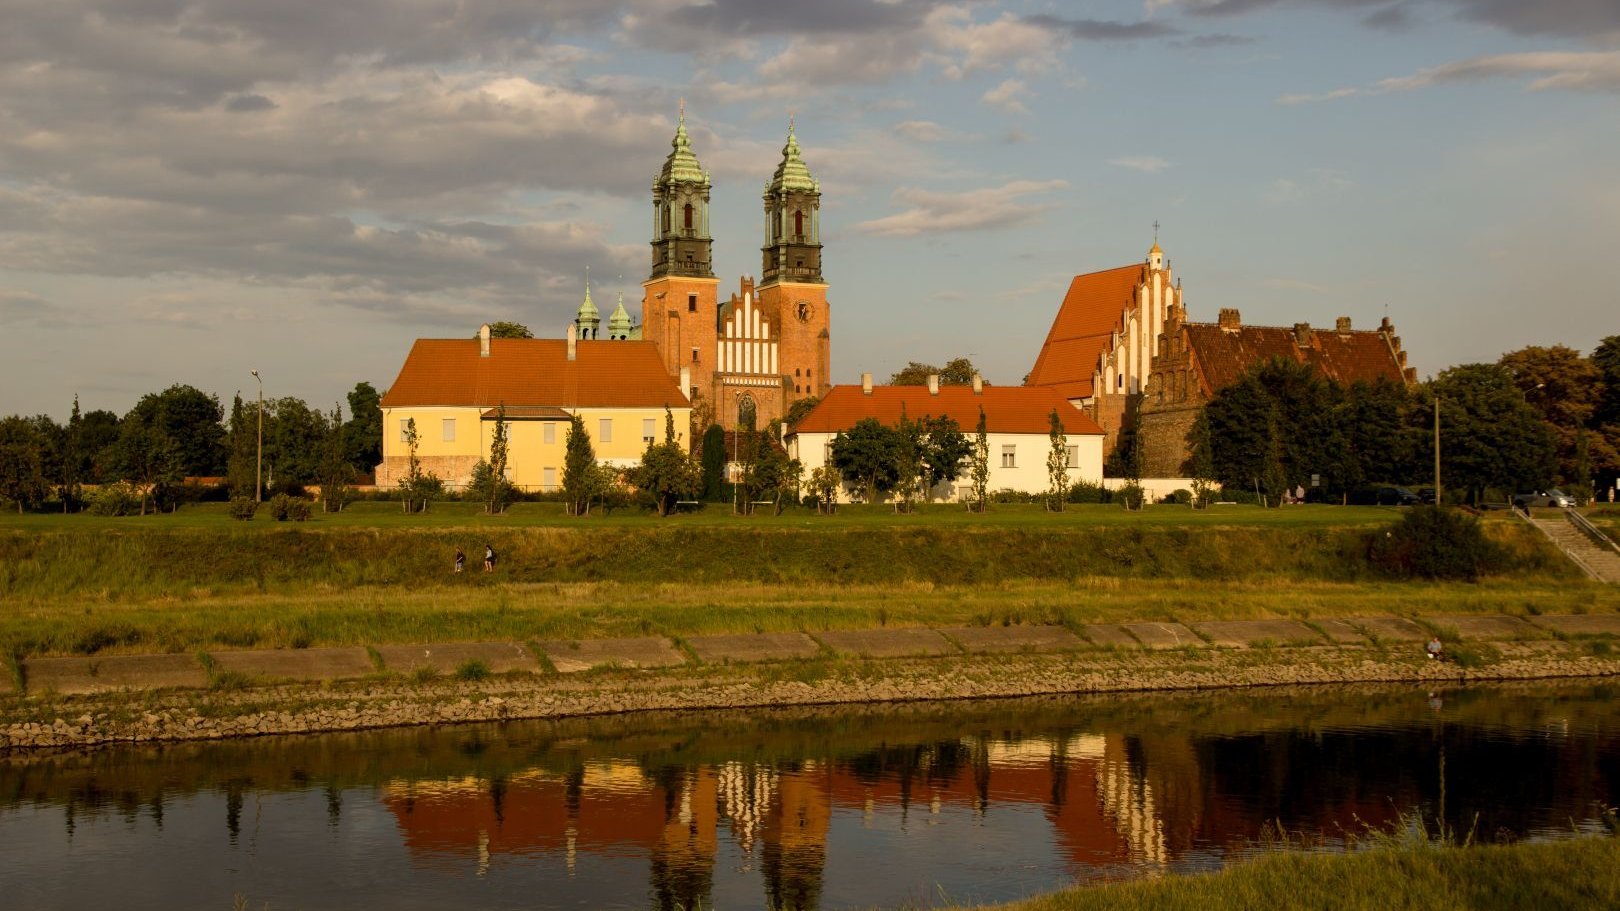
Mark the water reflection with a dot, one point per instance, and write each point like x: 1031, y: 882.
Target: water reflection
x: 795, y: 809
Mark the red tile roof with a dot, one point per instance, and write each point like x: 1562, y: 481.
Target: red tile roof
x: 1224, y: 355
x: 1007, y: 409
x: 1092, y: 310
x: 521, y: 372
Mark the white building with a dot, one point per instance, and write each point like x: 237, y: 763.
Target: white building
x: 1017, y: 427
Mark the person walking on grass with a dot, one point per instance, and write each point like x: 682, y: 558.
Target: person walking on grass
x: 489, y: 559
x: 461, y: 559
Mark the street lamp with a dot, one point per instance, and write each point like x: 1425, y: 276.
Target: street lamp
x: 258, y: 460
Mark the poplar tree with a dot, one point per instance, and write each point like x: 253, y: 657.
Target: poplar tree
x: 1057, y: 466
x: 579, y: 467
x: 335, y: 470
x: 981, y: 464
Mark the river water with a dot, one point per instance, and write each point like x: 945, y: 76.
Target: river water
x: 871, y: 807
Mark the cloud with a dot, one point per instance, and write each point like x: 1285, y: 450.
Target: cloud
x: 931, y: 212
x: 25, y: 308
x: 1218, y: 39
x: 242, y: 104
x: 971, y: 46
x: 1597, y: 20
x: 1314, y: 184
x: 1586, y: 71
x: 1148, y: 164
x: 1104, y: 30
x: 1006, y: 96
x: 929, y: 131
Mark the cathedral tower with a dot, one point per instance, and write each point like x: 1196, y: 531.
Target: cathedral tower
x: 792, y: 288
x: 678, y: 304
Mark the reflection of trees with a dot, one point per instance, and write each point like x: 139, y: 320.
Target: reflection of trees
x: 794, y: 855
x: 682, y: 860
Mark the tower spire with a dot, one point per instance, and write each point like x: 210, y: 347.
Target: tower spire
x: 792, y: 218
x: 588, y: 319
x: 681, y: 242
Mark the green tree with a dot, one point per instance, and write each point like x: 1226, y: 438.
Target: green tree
x: 714, y: 463
x: 580, y: 481
x: 800, y: 408
x: 97, y: 436
x: 1490, y: 437
x: 1604, y: 451
x: 1566, y: 390
x: 335, y: 471
x: 981, y: 465
x: 909, y: 469
x: 867, y: 457
x: 1200, y: 465
x: 363, y: 433
x: 746, y: 450
x: 1057, y: 465
x: 1276, y: 427
x: 775, y: 476
x: 241, y: 441
x: 956, y: 372
x: 192, y: 420
x: 505, y: 329
x: 1371, y: 418
x: 73, y: 460
x: 824, y: 483
x: 945, y: 450
x: 52, y: 443
x: 294, y: 438
x: 22, y: 474
x: 667, y: 473
x: 147, y: 457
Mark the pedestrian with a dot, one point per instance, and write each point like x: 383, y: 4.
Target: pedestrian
x: 461, y: 559
x: 489, y: 559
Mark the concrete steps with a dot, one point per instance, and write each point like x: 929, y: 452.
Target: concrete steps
x: 1601, y: 563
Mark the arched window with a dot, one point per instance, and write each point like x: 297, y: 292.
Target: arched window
x: 687, y: 214
x: 798, y: 223
x: 664, y: 210
x: 746, y: 411
x: 796, y: 372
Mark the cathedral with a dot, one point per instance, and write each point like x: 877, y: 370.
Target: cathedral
x: 746, y: 359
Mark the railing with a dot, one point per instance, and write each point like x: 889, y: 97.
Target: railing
x: 1523, y: 512
x: 1591, y: 531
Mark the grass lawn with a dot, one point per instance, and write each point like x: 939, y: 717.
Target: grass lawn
x: 1577, y: 874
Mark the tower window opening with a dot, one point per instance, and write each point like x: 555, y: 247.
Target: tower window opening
x: 686, y: 215
x: 691, y: 303
x: 798, y: 223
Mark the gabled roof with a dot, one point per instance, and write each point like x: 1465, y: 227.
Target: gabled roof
x: 1007, y: 409
x: 1224, y: 355
x: 1092, y: 310
x: 527, y: 372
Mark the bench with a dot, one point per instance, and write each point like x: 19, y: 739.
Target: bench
x: 687, y: 505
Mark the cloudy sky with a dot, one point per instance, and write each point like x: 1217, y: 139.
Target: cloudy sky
x: 190, y: 189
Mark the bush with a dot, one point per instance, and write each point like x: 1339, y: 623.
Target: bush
x: 1087, y: 492
x: 1132, y: 495
x: 1180, y: 496
x: 118, y: 499
x: 1433, y: 543
x: 284, y: 508
x: 243, y: 508
x: 1008, y: 495
x: 299, y: 508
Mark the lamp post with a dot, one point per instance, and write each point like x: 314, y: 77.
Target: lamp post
x: 258, y: 459
x: 1437, y: 498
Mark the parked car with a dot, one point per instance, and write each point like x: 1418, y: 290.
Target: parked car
x: 1387, y: 495
x: 1550, y: 497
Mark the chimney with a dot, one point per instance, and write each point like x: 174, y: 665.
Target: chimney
x: 1302, y: 334
x: 978, y: 384
x: 686, y: 382
x: 1230, y: 321
x: 1343, y: 325
x: 933, y: 384
x: 572, y: 338
x: 483, y: 340
x: 866, y: 384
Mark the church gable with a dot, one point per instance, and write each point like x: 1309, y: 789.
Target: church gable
x: 1092, y: 312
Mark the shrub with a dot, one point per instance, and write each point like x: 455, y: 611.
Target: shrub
x: 243, y: 508
x: 1131, y: 495
x: 1181, y: 496
x: 284, y: 508
x: 1433, y: 543
x: 1008, y: 495
x: 472, y: 670
x: 278, y: 507
x: 118, y: 499
x: 298, y: 509
x: 1087, y: 492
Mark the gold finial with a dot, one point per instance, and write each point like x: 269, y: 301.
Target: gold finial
x: 683, y: 108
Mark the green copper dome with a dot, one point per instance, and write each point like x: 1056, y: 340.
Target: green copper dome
x: 682, y: 166
x: 792, y: 173
x: 588, y: 317
x: 619, y: 322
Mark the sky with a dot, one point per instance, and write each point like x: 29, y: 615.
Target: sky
x: 193, y: 189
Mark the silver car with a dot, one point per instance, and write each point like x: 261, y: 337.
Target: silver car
x: 1550, y: 497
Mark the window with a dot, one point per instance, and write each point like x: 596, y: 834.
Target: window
x: 1009, y: 457
x: 548, y: 478
x: 404, y: 430
x: 648, y: 426
x: 548, y: 432
x: 1074, y: 457
x: 798, y: 223
x: 604, y: 430
x: 687, y: 216
x: 694, y: 355
x: 449, y: 430
x: 691, y: 306
x: 746, y: 411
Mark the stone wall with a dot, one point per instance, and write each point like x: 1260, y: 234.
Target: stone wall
x: 454, y: 470
x: 1163, y: 431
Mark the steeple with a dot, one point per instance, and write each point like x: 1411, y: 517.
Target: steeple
x: 792, y: 251
x: 619, y: 322
x: 681, y: 242
x: 588, y: 319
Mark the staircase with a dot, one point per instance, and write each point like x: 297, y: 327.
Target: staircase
x: 1575, y: 537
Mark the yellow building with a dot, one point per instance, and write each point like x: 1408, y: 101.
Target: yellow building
x: 453, y: 389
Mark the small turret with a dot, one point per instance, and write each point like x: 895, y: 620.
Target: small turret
x: 619, y: 322
x: 588, y: 320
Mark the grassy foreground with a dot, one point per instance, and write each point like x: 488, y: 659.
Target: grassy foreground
x: 1576, y: 874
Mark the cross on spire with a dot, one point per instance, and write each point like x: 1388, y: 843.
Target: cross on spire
x: 1155, y: 230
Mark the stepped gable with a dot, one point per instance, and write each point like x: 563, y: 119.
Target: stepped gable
x: 1224, y: 352
x: 533, y: 372
x: 1007, y: 409
x: 1092, y: 311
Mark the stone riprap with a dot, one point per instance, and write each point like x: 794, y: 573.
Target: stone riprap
x: 296, y: 663
x: 886, y: 643
x: 1005, y: 639
x: 447, y: 657
x: 570, y: 656
x: 1164, y: 635
x: 75, y: 676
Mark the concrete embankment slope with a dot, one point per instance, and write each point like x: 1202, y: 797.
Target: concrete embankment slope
x: 84, y: 701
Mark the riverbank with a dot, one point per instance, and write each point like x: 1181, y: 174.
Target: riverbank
x: 232, y: 709
x: 1569, y: 874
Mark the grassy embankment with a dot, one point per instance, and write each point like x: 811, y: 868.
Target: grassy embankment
x: 1576, y: 874
x: 82, y: 585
